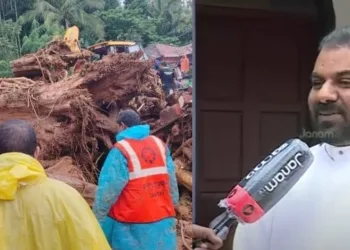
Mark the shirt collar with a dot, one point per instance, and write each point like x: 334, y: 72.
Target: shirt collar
x: 337, y: 153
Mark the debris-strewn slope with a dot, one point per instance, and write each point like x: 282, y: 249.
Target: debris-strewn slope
x: 73, y: 115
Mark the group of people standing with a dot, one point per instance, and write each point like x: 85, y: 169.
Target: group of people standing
x: 171, y: 77
x: 134, y: 204
x: 135, y: 201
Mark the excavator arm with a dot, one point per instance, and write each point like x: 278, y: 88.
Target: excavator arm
x: 71, y: 38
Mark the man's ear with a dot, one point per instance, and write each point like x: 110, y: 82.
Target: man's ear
x: 124, y: 126
x: 37, y: 152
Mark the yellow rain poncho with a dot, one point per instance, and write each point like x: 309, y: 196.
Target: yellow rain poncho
x: 39, y: 213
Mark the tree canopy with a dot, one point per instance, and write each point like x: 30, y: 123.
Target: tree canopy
x: 26, y: 26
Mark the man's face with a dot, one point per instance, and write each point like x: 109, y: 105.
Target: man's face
x: 329, y: 98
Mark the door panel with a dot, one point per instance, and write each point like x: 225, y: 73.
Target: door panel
x: 222, y: 144
x: 219, y: 75
x: 272, y: 61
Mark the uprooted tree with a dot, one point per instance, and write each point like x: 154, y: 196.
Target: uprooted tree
x: 72, y: 115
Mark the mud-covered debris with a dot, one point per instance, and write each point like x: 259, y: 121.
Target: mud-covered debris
x: 74, y: 115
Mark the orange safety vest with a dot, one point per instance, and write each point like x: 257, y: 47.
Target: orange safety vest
x: 146, y: 198
x: 185, y: 64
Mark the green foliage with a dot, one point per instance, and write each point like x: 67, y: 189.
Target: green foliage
x: 111, y: 4
x: 67, y: 13
x: 40, y: 35
x: 5, y: 69
x: 128, y: 24
x: 9, y: 33
x: 128, y: 3
x: 142, y: 5
x: 89, y: 37
x: 9, y: 49
x: 12, y: 9
x: 26, y: 26
x: 160, y: 21
x: 172, y: 19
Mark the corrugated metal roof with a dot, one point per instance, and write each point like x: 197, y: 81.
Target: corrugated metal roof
x: 111, y: 43
x: 158, y: 50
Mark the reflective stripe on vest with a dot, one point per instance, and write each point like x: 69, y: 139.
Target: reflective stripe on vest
x: 146, y: 198
x: 138, y: 172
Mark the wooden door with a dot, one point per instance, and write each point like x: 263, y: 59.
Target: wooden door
x: 252, y: 82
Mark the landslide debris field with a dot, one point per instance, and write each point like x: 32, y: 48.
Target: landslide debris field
x: 73, y: 113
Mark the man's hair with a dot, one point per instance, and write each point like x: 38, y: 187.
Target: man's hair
x: 17, y: 136
x: 338, y: 38
x: 129, y: 117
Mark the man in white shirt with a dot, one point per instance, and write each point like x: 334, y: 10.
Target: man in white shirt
x: 315, y: 214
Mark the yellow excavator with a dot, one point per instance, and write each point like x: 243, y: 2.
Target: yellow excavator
x: 99, y: 50
x: 71, y: 38
x: 105, y: 48
x: 79, y: 57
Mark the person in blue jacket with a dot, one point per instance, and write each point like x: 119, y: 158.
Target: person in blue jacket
x: 137, y: 211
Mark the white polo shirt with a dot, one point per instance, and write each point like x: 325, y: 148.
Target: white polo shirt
x: 314, y: 215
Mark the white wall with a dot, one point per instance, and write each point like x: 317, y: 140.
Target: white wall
x: 342, y: 12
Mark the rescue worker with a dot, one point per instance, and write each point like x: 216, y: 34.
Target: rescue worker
x: 314, y: 214
x: 166, y: 75
x: 185, y: 64
x: 36, y: 212
x: 156, y: 64
x: 137, y: 189
x: 178, y: 76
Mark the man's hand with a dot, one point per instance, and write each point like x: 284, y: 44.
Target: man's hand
x: 207, y: 235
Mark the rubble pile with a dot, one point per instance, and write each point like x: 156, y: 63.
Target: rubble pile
x: 73, y: 115
x: 50, y: 64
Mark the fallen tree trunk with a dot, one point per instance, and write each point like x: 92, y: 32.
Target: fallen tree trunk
x: 184, y: 145
x: 183, y: 177
x: 86, y: 189
x: 51, y: 62
x: 65, y: 170
x: 66, y: 114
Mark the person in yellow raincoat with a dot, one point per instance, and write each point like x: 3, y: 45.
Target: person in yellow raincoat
x: 36, y: 212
